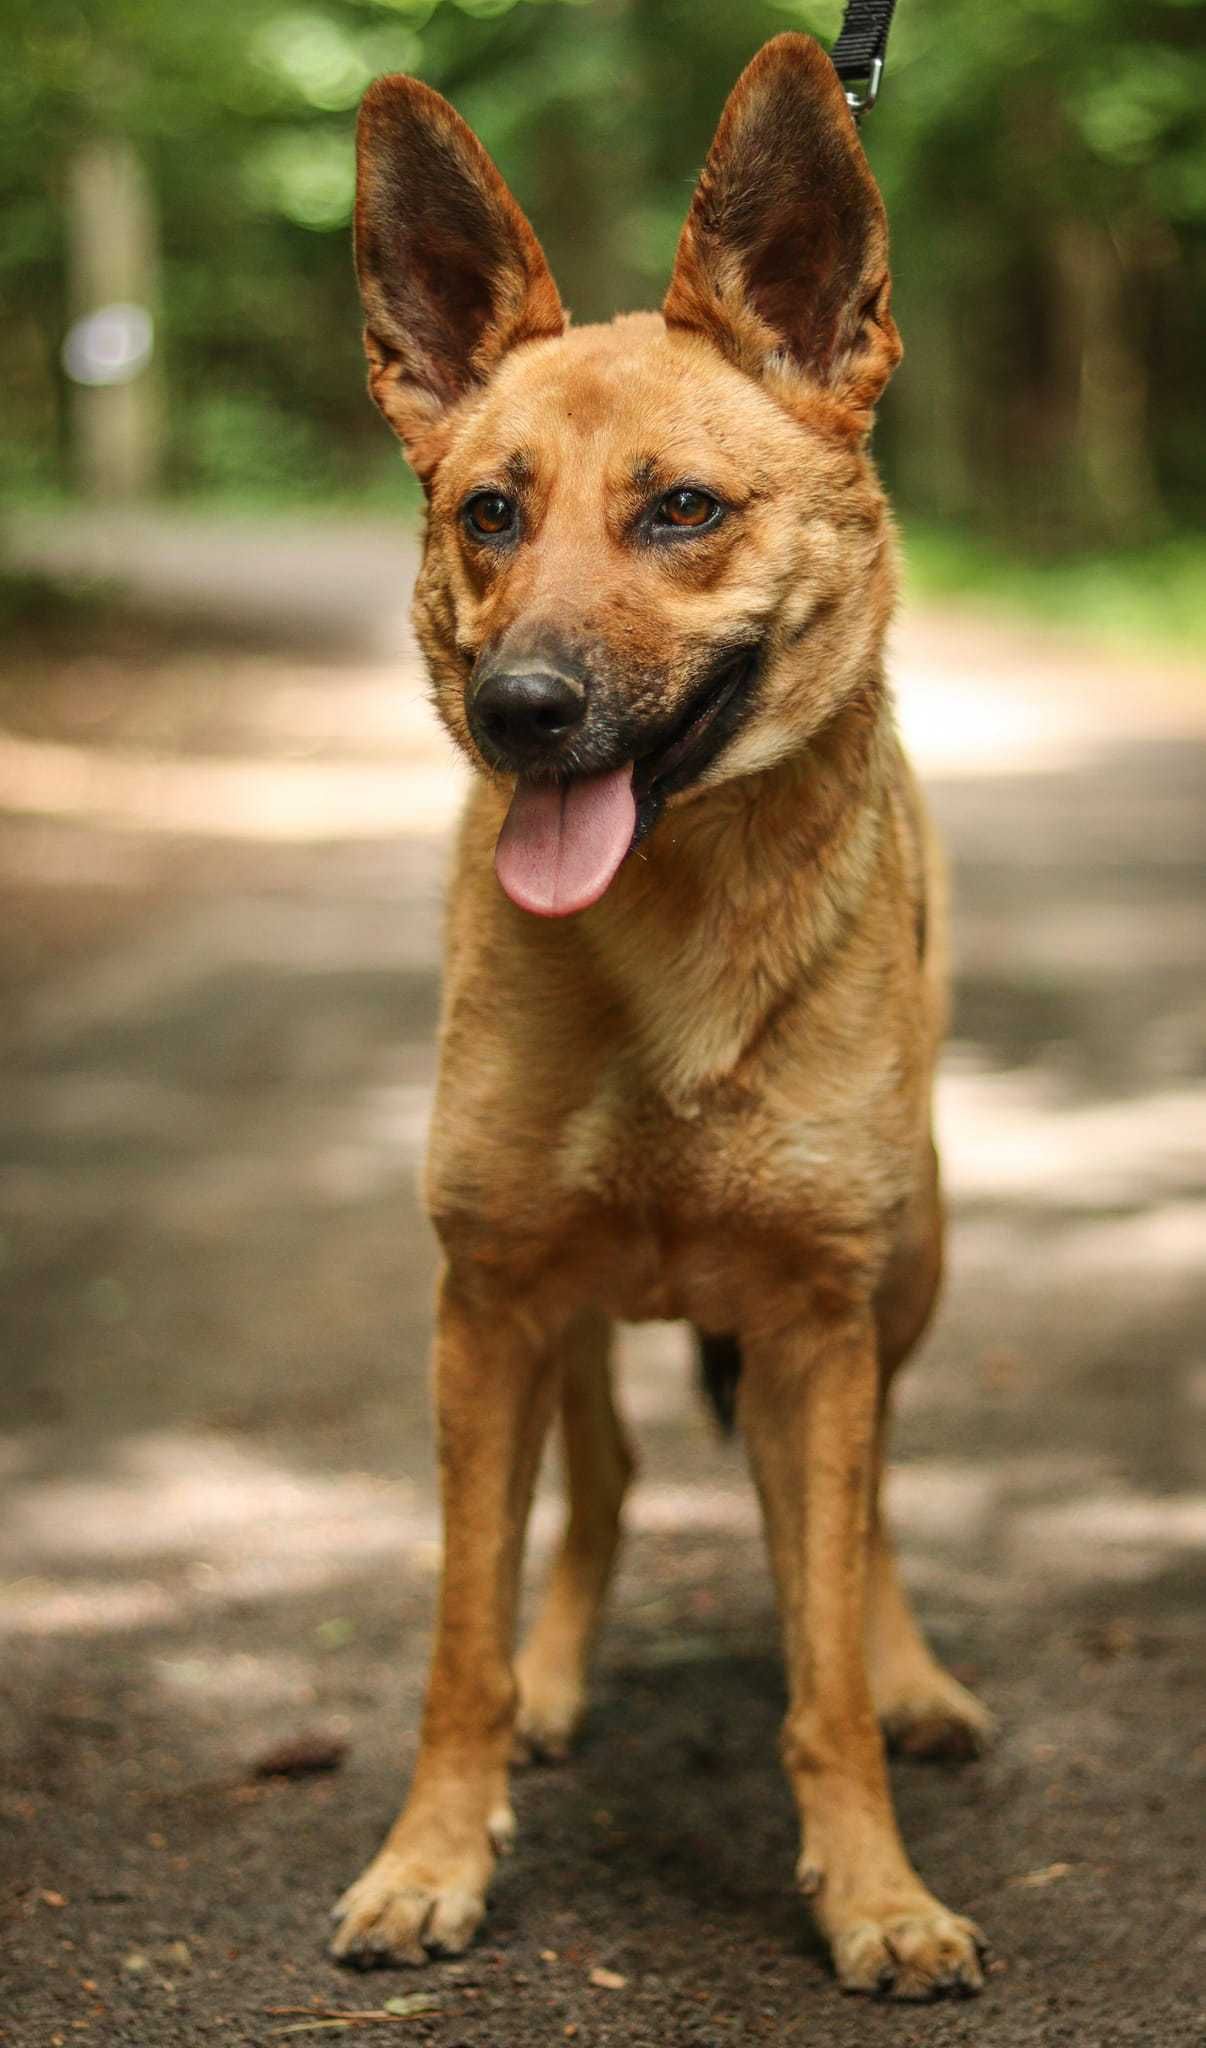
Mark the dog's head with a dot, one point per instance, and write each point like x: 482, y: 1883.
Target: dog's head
x: 656, y: 555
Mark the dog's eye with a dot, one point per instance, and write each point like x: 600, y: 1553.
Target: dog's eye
x: 489, y: 515
x: 687, y: 509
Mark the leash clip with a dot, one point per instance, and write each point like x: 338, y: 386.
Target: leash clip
x: 861, y: 103
x: 859, y: 52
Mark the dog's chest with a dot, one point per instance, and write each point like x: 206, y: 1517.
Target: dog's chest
x: 635, y: 1152
x: 675, y: 1207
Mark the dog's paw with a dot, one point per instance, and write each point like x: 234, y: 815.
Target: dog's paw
x: 551, y: 1706
x: 927, y: 1953
x: 404, y: 1909
x: 939, y: 1719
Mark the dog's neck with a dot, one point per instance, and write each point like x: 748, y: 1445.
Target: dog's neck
x: 740, y: 896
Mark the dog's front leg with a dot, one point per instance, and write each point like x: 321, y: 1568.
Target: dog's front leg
x: 808, y: 1408
x: 425, y: 1891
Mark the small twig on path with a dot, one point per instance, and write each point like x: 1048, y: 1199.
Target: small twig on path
x: 314, y: 2027
x: 322, y: 2012
x: 333, y: 2018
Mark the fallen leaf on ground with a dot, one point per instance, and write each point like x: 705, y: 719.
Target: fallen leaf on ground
x: 608, y: 1980
x: 301, y: 1756
x: 335, y: 1632
x: 1051, y: 1873
x: 52, y: 1898
x: 1111, y: 1639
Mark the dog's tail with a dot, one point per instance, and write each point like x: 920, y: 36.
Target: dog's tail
x: 719, y: 1372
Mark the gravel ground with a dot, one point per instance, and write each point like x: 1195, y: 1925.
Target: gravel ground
x: 214, y: 1284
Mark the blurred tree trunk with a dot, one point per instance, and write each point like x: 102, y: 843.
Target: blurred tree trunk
x: 112, y: 245
x: 1103, y: 375
x: 932, y: 465
x: 574, y: 218
x: 588, y: 185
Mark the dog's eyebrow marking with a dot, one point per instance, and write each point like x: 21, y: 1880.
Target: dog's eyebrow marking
x: 519, y: 470
x: 644, y: 474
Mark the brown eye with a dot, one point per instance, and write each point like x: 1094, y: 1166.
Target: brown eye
x: 687, y: 508
x: 489, y: 515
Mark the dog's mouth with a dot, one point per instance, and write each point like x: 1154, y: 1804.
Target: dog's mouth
x: 708, y: 721
x: 563, y: 843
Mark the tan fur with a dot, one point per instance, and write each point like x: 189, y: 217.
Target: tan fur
x: 709, y: 1095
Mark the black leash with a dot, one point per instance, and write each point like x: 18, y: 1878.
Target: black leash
x: 858, y: 54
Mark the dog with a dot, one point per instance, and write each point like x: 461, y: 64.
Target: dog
x: 694, y: 982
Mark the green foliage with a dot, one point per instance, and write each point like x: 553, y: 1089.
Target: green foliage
x: 1044, y: 164
x: 244, y: 442
x: 1150, y: 594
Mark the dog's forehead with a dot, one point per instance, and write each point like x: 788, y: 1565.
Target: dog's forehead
x: 608, y: 397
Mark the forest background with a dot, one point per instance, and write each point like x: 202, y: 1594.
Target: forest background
x: 1044, y: 165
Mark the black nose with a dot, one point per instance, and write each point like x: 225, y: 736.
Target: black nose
x: 525, y: 714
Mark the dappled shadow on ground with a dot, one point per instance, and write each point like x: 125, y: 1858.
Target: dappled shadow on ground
x: 219, y: 1518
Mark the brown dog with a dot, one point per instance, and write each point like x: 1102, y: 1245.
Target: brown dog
x: 657, y: 576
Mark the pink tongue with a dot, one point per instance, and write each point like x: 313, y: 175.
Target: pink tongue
x: 560, y: 846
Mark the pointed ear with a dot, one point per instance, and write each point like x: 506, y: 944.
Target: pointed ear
x: 451, y: 275
x: 783, y: 261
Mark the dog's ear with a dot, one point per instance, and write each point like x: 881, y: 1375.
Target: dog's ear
x: 783, y: 261
x: 451, y: 275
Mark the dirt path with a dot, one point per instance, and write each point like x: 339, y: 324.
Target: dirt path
x: 219, y: 878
